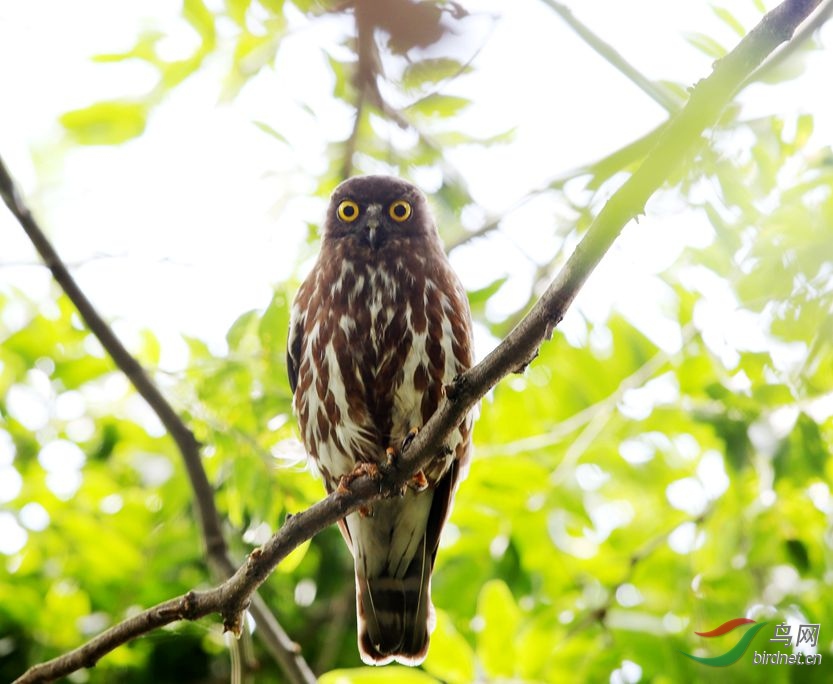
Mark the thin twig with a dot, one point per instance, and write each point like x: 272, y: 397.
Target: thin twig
x: 494, y: 223
x: 612, y: 56
x: 339, y: 613
x: 600, y: 614
x: 352, y: 141
x: 518, y: 349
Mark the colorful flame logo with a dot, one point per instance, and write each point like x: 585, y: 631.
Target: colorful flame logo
x: 737, y: 650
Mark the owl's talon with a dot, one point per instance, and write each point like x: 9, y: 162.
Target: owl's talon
x: 412, y: 433
x: 418, y: 482
x: 371, y: 470
x: 366, y: 511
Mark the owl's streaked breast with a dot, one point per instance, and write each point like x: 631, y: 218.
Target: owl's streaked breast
x: 385, y: 339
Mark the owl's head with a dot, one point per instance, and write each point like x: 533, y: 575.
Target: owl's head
x: 378, y: 210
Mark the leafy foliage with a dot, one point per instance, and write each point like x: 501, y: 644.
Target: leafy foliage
x: 623, y: 495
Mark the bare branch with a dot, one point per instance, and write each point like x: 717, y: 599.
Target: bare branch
x: 185, y: 441
x: 369, y: 69
x: 277, y: 642
x: 657, y: 94
x: 678, y: 139
x: 808, y: 29
x: 189, y: 606
x: 226, y: 599
x: 494, y: 222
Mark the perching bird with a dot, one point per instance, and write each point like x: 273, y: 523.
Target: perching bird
x: 378, y: 328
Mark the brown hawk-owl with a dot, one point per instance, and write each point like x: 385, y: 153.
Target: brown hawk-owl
x: 378, y: 328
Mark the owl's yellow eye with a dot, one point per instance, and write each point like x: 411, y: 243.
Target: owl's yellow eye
x: 399, y: 211
x: 348, y: 211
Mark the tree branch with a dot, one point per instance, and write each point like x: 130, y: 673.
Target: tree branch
x: 808, y: 29
x: 184, y: 438
x: 632, y: 152
x: 516, y: 351
x: 282, y: 648
x: 605, y: 50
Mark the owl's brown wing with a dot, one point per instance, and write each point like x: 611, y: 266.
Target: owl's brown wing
x: 293, y: 351
x: 441, y: 505
x: 294, y: 345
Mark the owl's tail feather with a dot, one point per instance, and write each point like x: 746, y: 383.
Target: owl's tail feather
x: 395, y: 615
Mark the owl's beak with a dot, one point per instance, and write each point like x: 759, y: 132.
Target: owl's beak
x: 374, y: 229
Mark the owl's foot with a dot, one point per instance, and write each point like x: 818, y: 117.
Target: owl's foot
x: 418, y: 482
x: 391, y: 453
x: 412, y: 433
x: 370, y: 470
x: 366, y: 511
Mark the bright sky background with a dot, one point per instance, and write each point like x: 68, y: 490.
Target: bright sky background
x: 188, y: 226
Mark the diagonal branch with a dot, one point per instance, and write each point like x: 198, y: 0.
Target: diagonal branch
x: 184, y: 438
x: 282, y: 648
x: 655, y: 92
x: 518, y: 349
x: 634, y: 151
x: 807, y: 31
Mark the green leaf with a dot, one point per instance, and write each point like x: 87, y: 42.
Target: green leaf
x: 201, y: 19
x: 106, y: 123
x: 803, y: 454
x: 441, y: 106
x: 174, y: 73
x: 237, y: 333
x: 773, y: 395
x: 274, y: 324
x: 197, y: 348
x: 706, y: 44
x: 293, y: 558
x: 367, y: 675
x: 798, y: 553
x: 150, y: 351
x: 435, y: 70
x: 453, y: 138
x: 343, y: 87
x: 144, y: 49
x: 729, y: 19
x: 266, y: 128
x: 237, y: 9
x: 251, y: 54
x: 479, y: 298
x: 501, y: 616
x: 450, y: 658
